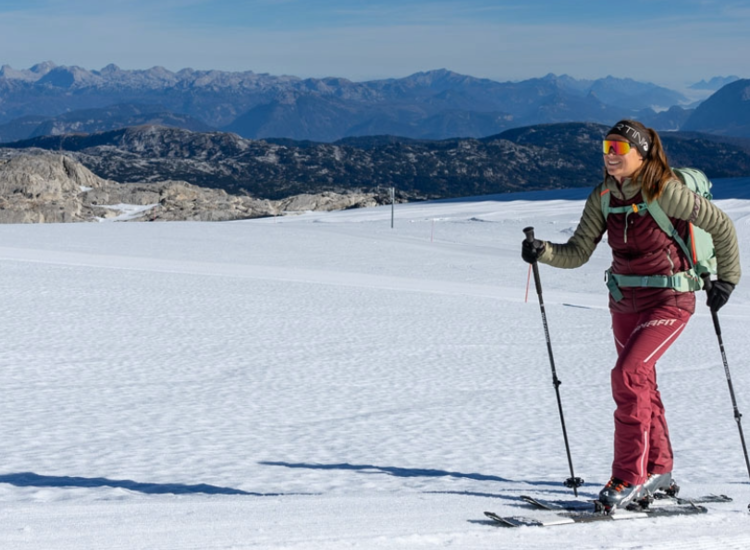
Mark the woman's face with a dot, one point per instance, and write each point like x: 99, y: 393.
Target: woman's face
x: 622, y: 166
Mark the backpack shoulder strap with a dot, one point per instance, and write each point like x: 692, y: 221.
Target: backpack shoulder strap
x: 604, y: 195
x: 663, y: 221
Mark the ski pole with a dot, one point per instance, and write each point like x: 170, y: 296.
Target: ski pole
x: 572, y: 482
x: 737, y: 415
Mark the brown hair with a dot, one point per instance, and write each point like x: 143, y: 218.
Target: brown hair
x: 655, y: 172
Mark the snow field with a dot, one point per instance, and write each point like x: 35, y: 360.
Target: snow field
x: 325, y: 381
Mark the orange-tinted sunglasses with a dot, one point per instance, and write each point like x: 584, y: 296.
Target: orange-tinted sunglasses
x: 618, y: 147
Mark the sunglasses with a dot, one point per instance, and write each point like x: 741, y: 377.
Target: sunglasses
x: 619, y: 147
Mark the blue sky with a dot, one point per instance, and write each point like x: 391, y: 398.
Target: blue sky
x: 667, y: 42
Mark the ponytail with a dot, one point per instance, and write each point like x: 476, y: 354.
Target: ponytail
x: 655, y: 172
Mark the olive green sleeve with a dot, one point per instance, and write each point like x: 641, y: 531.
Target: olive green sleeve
x: 681, y: 203
x: 581, y: 245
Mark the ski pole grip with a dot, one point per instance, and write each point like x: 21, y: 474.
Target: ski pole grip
x: 530, y: 239
x: 529, y: 234
x: 707, y: 284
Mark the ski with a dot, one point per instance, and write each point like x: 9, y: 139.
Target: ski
x: 567, y: 518
x: 660, y: 500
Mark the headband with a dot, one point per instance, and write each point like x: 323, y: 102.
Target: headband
x: 640, y: 140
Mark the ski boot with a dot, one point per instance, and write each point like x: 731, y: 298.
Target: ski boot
x: 618, y: 494
x: 658, y: 486
x: 661, y: 482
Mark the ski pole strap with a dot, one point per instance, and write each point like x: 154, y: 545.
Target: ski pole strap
x: 686, y: 281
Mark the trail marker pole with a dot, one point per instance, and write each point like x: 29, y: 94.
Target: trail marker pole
x: 393, y: 204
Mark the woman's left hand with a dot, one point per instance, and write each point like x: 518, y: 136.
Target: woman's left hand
x: 718, y: 294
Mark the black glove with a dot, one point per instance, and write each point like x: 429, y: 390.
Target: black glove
x: 718, y: 294
x: 531, y: 250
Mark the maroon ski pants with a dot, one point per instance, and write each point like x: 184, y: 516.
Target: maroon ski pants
x: 641, y: 436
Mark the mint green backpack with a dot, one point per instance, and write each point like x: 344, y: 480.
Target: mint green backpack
x: 699, y: 248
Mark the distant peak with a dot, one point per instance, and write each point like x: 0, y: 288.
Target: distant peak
x: 715, y: 83
x: 161, y: 69
x: 43, y: 68
x: 435, y: 73
x: 111, y: 68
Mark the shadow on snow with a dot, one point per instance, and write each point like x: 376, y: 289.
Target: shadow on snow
x: 422, y: 472
x: 401, y: 472
x: 389, y: 470
x: 30, y: 479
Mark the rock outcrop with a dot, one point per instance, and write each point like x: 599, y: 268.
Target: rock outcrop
x: 50, y: 188
x: 44, y: 188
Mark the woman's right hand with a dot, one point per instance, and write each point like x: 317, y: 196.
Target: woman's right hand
x: 531, y: 250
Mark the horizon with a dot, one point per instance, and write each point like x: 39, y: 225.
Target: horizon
x: 362, y: 41
x: 691, y: 93
x: 55, y: 65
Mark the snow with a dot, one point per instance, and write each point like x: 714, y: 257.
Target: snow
x: 127, y: 212
x: 326, y: 381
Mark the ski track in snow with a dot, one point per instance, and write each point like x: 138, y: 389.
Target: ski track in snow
x: 324, y: 381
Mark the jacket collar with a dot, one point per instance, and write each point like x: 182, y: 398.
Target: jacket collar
x: 628, y: 190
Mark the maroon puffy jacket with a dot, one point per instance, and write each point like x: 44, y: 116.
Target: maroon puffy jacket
x: 640, y: 247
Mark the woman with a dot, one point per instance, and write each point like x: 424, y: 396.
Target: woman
x: 645, y: 320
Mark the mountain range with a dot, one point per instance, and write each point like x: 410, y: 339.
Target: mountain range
x: 54, y: 100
